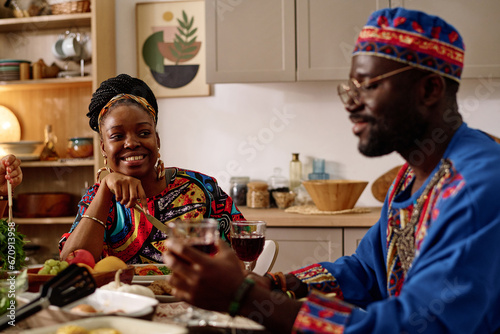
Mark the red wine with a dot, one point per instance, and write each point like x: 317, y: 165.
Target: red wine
x: 210, y: 249
x: 248, y: 248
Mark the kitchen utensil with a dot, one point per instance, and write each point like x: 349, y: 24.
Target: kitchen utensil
x: 71, y: 284
x: 383, y: 182
x: 156, y: 223
x: 334, y: 195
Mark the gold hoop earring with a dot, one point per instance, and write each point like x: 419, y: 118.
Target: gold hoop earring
x: 102, y: 169
x: 160, y: 168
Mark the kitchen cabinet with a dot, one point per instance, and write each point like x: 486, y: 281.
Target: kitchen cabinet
x: 250, y: 41
x: 61, y: 102
x: 306, y: 40
x: 299, y: 247
x: 352, y: 238
x: 478, y: 23
x: 282, y: 40
x: 307, y: 239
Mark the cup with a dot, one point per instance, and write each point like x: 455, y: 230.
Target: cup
x: 57, y: 49
x: 71, y: 46
x: 202, y: 234
x: 24, y: 71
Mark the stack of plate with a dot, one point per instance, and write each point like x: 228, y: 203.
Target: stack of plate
x: 9, y: 69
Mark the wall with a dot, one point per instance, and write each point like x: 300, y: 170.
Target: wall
x: 249, y: 129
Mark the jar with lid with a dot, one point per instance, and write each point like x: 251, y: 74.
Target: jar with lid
x: 257, y: 195
x: 277, y: 183
x: 238, y: 189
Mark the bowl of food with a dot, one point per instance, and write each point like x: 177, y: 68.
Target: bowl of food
x: 36, y: 280
x: 335, y: 195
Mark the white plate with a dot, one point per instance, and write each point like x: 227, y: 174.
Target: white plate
x: 11, y: 130
x: 124, y: 325
x: 148, y: 279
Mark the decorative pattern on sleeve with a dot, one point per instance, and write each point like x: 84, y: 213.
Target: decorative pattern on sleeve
x: 318, y: 278
x: 320, y: 314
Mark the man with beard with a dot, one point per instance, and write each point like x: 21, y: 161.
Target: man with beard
x: 430, y: 264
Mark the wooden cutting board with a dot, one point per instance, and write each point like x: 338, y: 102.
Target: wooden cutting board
x: 382, y: 183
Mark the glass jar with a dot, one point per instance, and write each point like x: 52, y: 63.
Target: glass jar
x: 238, y: 189
x: 257, y: 195
x: 80, y: 147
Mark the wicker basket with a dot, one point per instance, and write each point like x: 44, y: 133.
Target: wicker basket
x: 70, y: 7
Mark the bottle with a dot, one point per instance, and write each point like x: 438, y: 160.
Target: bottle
x: 295, y: 172
x: 319, y: 170
x: 49, y: 147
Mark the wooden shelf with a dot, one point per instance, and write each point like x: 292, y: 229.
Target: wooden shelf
x: 52, y: 83
x: 60, y: 163
x: 45, y: 220
x: 45, y: 22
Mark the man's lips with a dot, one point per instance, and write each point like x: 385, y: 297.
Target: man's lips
x: 360, y: 123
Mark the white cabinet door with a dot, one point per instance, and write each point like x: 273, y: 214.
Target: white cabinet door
x: 250, y: 40
x: 478, y: 23
x: 352, y: 238
x: 326, y: 33
x: 299, y: 247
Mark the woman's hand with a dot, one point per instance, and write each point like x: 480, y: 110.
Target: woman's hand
x: 203, y: 280
x: 10, y: 171
x: 127, y: 190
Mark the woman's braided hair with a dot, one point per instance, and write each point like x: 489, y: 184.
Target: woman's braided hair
x: 121, y: 84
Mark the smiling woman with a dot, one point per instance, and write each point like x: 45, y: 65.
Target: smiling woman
x: 124, y: 112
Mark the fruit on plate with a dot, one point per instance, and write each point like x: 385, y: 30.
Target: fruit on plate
x: 53, y: 267
x: 81, y: 256
x: 89, y: 268
x: 110, y: 263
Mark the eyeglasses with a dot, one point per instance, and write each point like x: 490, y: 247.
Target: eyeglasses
x: 350, y: 91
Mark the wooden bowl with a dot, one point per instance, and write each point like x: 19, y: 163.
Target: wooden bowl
x: 35, y: 281
x: 335, y: 195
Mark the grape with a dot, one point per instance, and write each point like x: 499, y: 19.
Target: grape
x: 44, y: 271
x: 51, y: 262
x: 53, y: 267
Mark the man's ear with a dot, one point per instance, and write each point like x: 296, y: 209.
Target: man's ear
x: 432, y: 89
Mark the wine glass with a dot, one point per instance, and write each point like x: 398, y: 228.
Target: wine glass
x: 202, y: 234
x: 247, y: 240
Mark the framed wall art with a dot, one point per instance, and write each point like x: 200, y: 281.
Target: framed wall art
x: 170, y: 47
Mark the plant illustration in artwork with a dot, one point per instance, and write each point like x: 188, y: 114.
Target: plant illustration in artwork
x: 176, y: 44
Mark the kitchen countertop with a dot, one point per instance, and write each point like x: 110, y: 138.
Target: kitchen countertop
x: 275, y: 217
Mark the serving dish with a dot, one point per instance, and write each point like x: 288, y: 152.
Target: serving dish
x: 148, y: 279
x: 124, y: 325
x: 35, y: 280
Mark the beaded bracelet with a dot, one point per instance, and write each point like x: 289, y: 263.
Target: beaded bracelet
x: 243, y: 289
x: 95, y: 219
x: 282, y: 279
x: 275, y: 282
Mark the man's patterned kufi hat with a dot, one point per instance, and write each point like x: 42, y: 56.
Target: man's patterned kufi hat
x: 414, y: 38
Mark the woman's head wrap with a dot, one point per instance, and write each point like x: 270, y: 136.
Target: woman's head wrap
x: 114, y: 88
x: 414, y: 38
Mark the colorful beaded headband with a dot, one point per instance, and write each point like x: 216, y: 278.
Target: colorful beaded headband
x: 142, y: 101
x: 414, y: 38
